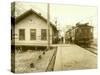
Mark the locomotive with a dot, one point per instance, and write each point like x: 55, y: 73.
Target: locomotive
x: 81, y: 34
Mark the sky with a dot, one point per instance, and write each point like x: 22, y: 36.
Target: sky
x: 66, y: 15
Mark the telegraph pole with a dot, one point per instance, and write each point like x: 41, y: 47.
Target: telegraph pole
x: 48, y: 23
x: 56, y: 21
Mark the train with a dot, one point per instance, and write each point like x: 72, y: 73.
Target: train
x: 80, y: 34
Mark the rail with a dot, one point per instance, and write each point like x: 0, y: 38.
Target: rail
x: 92, y: 50
x: 52, y: 62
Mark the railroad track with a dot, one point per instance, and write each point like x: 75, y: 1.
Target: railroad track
x: 91, y: 49
x: 52, y: 62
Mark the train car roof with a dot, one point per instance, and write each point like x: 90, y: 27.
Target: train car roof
x: 80, y: 25
x: 83, y: 25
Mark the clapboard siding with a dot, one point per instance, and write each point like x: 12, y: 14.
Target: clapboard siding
x: 32, y: 21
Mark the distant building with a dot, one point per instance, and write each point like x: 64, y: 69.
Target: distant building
x: 31, y: 29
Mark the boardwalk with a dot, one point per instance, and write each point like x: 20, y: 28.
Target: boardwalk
x: 71, y: 57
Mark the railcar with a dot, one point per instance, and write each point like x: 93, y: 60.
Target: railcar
x: 81, y: 34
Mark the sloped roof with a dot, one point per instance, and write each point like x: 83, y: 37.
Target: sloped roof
x: 27, y: 13
x: 83, y: 25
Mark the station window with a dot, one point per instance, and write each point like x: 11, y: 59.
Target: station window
x: 32, y: 34
x: 91, y: 29
x: 21, y: 34
x: 43, y: 34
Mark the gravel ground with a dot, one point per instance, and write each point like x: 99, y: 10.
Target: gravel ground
x: 23, y: 61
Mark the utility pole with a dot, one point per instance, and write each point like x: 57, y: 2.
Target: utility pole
x: 48, y: 23
x: 56, y: 21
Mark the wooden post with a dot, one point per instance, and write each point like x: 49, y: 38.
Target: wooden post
x: 48, y: 23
